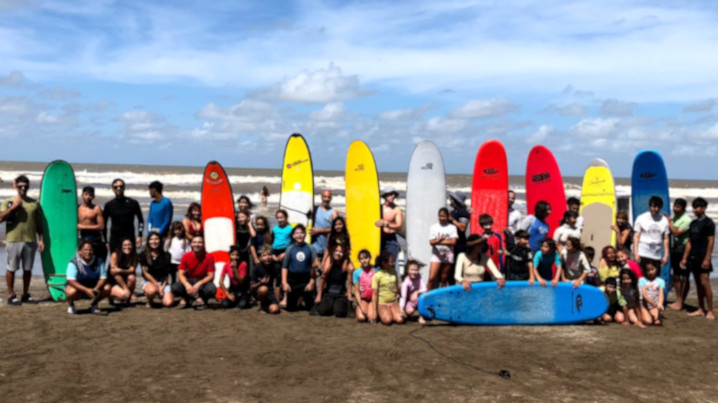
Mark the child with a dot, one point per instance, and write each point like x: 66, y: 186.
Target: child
x: 412, y: 286
x: 361, y: 285
x: 574, y: 262
x: 567, y: 229
x: 442, y: 237
x: 629, y: 290
x: 616, y: 303
x: 176, y: 246
x: 336, y: 271
x: 281, y: 240
x: 262, y: 280
x: 494, y: 244
x: 299, y: 270
x: 652, y: 295
x: 385, y: 291
x: 544, y: 261
x: 592, y: 277
x: 609, y: 265
x: 519, y: 259
x: 236, y: 271
x: 624, y: 232
x: 155, y: 264
x: 263, y: 236
x: 623, y: 259
x: 473, y: 266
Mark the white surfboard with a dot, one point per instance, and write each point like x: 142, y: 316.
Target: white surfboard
x: 425, y: 195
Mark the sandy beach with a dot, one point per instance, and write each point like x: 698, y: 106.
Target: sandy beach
x: 141, y: 354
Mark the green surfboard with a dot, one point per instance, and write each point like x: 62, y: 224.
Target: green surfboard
x: 58, y: 201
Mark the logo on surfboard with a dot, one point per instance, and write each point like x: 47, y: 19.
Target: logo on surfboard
x: 429, y: 165
x: 542, y: 177
x: 648, y: 175
x: 491, y: 171
x: 597, y: 181
x: 359, y: 167
x: 579, y: 303
x: 214, y: 178
x: 297, y: 162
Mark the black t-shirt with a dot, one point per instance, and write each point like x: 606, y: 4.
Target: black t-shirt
x: 122, y: 213
x: 243, y: 238
x: 517, y: 263
x: 461, y: 215
x: 159, y: 267
x: 699, y: 231
x: 261, y: 271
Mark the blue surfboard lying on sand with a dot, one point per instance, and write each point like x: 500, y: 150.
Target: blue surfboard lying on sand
x: 518, y: 303
x: 649, y: 178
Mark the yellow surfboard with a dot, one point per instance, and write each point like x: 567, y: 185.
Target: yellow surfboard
x: 297, y: 194
x: 598, y: 206
x: 363, y: 202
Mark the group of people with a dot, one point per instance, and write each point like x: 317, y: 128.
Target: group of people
x: 284, y: 267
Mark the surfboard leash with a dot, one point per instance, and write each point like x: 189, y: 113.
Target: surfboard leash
x: 504, y: 373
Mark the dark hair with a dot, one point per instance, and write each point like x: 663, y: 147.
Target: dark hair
x: 568, y: 214
x: 622, y: 214
x: 339, y: 238
x: 551, y: 244
x: 295, y: 229
x: 267, y: 235
x: 22, y: 179
x: 177, y: 225
x: 156, y: 185
x: 573, y: 201
x: 126, y: 261
x: 331, y: 251
x: 485, y: 219
x: 541, y: 210
x: 575, y: 241
x: 410, y: 262
x: 265, y: 191
x: 630, y: 274
x: 443, y: 210
x: 191, y: 207
x: 699, y: 202
x: 384, y: 257
x: 118, y: 180
x: 282, y: 211
x: 680, y: 202
x: 83, y: 242
x: 522, y: 234
x: 364, y: 252
x: 604, y: 251
x: 655, y: 201
x: 235, y: 248
x: 148, y: 254
x: 89, y: 189
x: 590, y: 253
x: 610, y: 281
x: 246, y: 198
x: 623, y: 250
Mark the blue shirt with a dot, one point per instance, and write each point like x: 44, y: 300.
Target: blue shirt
x: 538, y: 231
x: 90, y: 274
x: 160, y: 216
x: 322, y: 220
x: 544, y: 264
x: 281, y: 237
x: 299, y: 258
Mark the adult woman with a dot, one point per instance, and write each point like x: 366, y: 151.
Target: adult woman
x: 338, y: 236
x: 123, y: 264
x: 155, y: 264
x: 86, y: 277
x: 471, y: 267
x: 193, y: 221
x: 624, y: 232
x: 336, y: 272
x: 244, y: 235
x: 245, y: 205
x: 536, y: 225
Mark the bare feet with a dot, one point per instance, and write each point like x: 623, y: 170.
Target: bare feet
x: 675, y: 306
x: 421, y: 320
x: 710, y: 316
x: 640, y: 324
x: 697, y: 312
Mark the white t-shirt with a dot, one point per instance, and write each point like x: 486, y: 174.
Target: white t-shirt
x: 563, y: 232
x: 651, y: 232
x: 514, y: 220
x: 579, y: 222
x: 653, y: 287
x: 438, y: 230
x: 574, y: 264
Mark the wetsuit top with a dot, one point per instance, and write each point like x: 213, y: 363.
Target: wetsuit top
x: 299, y: 258
x: 157, y: 266
x: 86, y: 273
x: 160, y: 216
x: 337, y: 280
x: 261, y: 271
x: 517, y: 263
x: 461, y: 215
x: 322, y: 220
x: 544, y: 264
x: 121, y: 211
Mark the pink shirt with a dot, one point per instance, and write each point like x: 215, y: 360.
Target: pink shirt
x: 227, y: 270
x: 635, y: 268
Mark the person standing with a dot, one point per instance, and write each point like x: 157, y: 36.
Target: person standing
x: 323, y: 217
x: 91, y: 223
x: 574, y: 204
x: 391, y: 222
x: 514, y: 214
x: 460, y: 218
x: 22, y: 216
x: 679, y: 226
x: 697, y: 256
x: 161, y: 211
x: 120, y: 213
x: 651, y: 236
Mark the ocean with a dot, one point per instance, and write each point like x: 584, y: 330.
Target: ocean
x: 182, y: 185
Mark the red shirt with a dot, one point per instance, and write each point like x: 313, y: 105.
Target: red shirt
x: 195, y: 268
x: 493, y: 245
x: 242, y: 269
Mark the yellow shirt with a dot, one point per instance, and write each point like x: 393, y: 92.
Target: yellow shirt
x: 21, y: 223
x: 605, y: 272
x: 384, y: 283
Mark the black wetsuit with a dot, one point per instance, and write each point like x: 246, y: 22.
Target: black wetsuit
x: 122, y: 212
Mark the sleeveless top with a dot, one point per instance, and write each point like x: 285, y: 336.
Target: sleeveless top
x: 243, y: 238
x: 337, y: 280
x: 193, y: 231
x: 322, y: 219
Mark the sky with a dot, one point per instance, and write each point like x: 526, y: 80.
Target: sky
x: 184, y: 82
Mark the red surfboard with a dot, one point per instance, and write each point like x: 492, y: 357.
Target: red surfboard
x: 544, y: 182
x: 218, y: 218
x: 490, y: 187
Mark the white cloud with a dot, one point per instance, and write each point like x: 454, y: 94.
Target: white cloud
x: 540, y: 135
x: 317, y: 86
x: 593, y: 128
x: 142, y: 126
x: 59, y: 94
x: 573, y: 109
x: 570, y: 90
x: 331, y: 112
x: 405, y: 114
x: 484, y: 108
x: 614, y: 107
x: 14, y: 80
x: 702, y: 106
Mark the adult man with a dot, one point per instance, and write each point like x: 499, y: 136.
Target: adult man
x: 514, y: 214
x: 161, y: 210
x: 392, y: 221
x: 323, y: 218
x: 120, y: 212
x: 22, y: 215
x: 91, y: 223
x: 697, y: 256
x: 461, y: 218
x: 574, y: 204
x: 678, y: 227
x: 195, y: 274
x: 650, y: 239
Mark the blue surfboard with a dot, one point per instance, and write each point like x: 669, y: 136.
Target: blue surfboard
x: 649, y: 178
x: 518, y: 303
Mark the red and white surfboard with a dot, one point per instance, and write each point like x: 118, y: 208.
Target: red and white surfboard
x: 217, y: 217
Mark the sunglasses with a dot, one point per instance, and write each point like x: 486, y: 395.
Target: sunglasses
x: 22, y: 186
x: 119, y: 187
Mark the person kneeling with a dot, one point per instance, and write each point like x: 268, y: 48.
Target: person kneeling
x: 262, y: 280
x: 86, y: 277
x: 385, y: 291
x: 335, y: 278
x: 195, y: 274
x: 238, y: 291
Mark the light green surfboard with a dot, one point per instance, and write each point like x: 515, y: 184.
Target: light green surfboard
x: 58, y: 200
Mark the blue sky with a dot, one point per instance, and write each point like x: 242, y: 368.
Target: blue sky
x: 181, y: 83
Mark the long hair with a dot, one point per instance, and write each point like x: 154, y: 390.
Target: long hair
x: 126, y: 260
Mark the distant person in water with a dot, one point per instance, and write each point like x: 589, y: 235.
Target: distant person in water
x: 91, y: 222
x: 86, y: 278
x: 391, y: 222
x: 119, y: 214
x: 678, y: 227
x: 650, y: 241
x: 192, y: 221
x: 22, y: 215
x: 697, y: 256
x: 264, y: 195
x: 323, y: 217
x: 161, y: 211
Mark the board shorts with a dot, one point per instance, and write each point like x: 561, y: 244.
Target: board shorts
x: 694, y: 265
x: 167, y: 288
x: 676, y: 257
x: 20, y: 251
x: 442, y: 257
x: 390, y: 243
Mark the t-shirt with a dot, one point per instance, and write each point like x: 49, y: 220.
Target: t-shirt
x: 384, y: 282
x: 514, y: 220
x: 178, y: 247
x: 159, y: 267
x: 461, y: 215
x: 22, y: 222
x: 491, y: 247
x: 474, y: 272
x: 699, y: 231
x: 652, y: 231
x: 227, y: 271
x: 653, y: 287
x: 299, y: 258
x: 160, y: 216
x: 195, y: 268
x: 89, y: 273
x: 438, y: 230
x: 260, y: 271
x: 363, y: 278
x: 120, y: 213
x: 538, y: 231
x: 565, y: 231
x: 683, y: 222
x: 281, y: 237
x: 607, y: 271
x: 616, y: 298
x: 574, y: 264
x: 544, y: 264
x: 517, y: 263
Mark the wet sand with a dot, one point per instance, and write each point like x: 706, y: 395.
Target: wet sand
x: 227, y: 356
